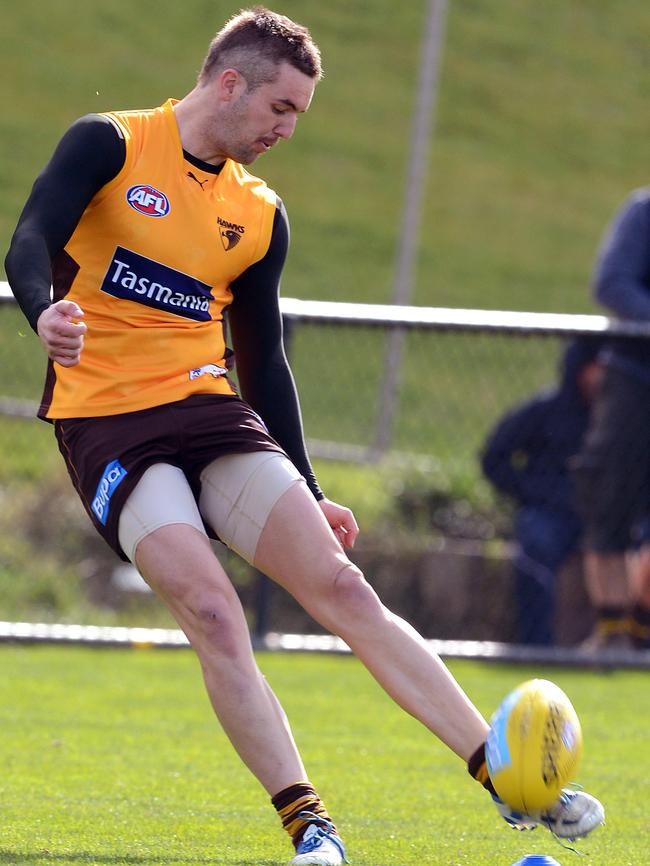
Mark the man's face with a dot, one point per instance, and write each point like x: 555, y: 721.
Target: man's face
x: 251, y: 122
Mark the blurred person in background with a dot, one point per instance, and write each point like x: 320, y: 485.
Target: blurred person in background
x: 149, y: 228
x: 638, y: 567
x: 526, y: 457
x: 613, y: 469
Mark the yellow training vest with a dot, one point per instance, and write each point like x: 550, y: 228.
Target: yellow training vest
x: 150, y: 264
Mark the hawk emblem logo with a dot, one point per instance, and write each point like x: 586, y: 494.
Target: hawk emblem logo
x: 231, y: 233
x: 229, y: 239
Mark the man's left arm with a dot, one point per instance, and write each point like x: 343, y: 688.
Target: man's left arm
x: 265, y: 378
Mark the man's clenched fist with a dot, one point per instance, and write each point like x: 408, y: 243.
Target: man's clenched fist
x: 62, y: 332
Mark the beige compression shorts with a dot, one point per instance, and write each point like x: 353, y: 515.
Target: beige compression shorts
x: 238, y: 492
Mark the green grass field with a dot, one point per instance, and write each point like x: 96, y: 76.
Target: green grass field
x: 112, y: 758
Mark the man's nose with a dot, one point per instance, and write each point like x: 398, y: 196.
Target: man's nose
x: 286, y: 127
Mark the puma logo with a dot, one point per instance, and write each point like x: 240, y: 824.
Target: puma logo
x: 194, y: 177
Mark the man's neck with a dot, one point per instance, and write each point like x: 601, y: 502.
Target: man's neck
x: 190, y: 115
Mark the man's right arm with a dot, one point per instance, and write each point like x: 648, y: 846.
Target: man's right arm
x: 90, y: 154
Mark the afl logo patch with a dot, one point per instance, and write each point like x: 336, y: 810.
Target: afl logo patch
x: 148, y: 200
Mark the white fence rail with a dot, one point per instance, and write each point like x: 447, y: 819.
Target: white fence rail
x: 440, y: 318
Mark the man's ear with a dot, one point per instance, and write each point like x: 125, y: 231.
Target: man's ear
x: 230, y: 84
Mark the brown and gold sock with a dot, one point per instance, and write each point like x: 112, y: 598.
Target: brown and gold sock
x: 477, y: 768
x: 640, y: 626
x: 612, y: 621
x: 291, y: 801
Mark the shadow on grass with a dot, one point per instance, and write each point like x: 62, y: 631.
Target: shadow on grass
x: 31, y: 858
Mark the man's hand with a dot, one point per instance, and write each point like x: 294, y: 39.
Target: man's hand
x: 61, y: 333
x: 341, y: 520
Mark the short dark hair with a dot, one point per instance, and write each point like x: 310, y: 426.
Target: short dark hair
x: 255, y: 42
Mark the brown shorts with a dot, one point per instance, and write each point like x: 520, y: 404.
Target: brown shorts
x: 107, y: 456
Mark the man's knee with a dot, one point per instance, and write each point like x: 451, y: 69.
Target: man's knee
x: 346, y: 597
x: 216, y: 625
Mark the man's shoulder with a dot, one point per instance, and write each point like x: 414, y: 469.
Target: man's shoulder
x: 639, y: 197
x: 132, y: 119
x: 131, y: 112
x: 632, y: 216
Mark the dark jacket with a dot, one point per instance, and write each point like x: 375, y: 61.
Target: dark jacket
x: 527, y: 454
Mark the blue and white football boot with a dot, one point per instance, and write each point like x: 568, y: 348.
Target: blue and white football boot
x: 574, y: 815
x: 320, y: 845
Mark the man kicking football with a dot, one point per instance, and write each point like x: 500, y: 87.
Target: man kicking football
x: 149, y: 227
